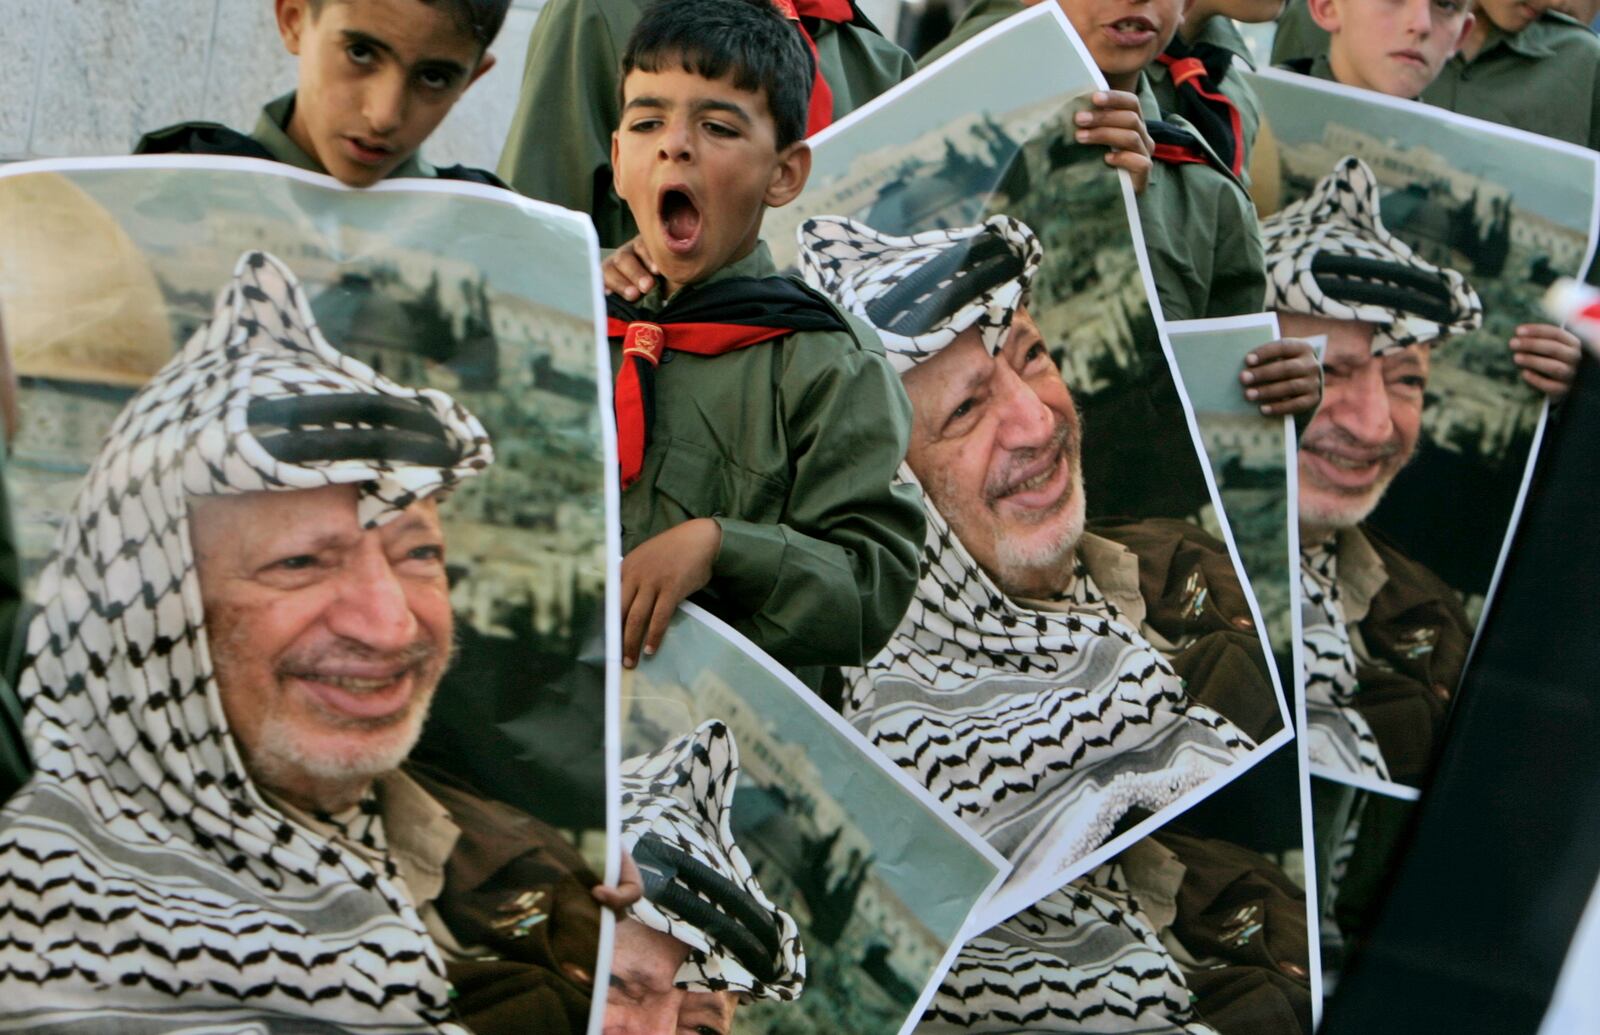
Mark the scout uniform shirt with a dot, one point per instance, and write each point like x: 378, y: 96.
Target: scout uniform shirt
x: 1544, y: 79
x: 270, y: 140
x: 559, y: 146
x: 1218, y: 31
x: 792, y: 446
x: 1199, y: 224
x: 1200, y: 233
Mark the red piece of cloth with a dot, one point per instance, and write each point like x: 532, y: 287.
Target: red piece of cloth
x: 820, y: 114
x: 643, y: 344
x: 1190, y: 73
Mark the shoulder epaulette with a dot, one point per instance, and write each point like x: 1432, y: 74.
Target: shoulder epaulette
x: 200, y: 138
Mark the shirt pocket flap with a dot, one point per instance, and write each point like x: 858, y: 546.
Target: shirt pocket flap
x: 691, y: 478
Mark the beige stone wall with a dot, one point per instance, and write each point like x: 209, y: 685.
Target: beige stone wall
x: 87, y: 77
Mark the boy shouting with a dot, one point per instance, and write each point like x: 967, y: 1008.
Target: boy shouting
x: 763, y: 479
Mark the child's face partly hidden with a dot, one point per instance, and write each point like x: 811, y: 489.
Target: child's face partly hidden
x: 697, y: 161
x: 376, y: 78
x: 1395, y: 47
x: 1123, y: 36
x: 1511, y: 15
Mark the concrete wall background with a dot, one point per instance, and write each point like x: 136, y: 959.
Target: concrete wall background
x: 87, y: 77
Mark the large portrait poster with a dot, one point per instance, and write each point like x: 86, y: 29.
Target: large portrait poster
x: 1497, y: 214
x: 1414, y: 470
x: 1070, y: 722
x: 875, y: 880
x: 420, y: 361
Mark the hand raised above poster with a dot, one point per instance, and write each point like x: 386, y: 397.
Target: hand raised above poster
x: 296, y: 465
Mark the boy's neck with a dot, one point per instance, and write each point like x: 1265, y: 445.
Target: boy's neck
x: 745, y: 251
x: 1191, y: 27
x: 1477, y: 36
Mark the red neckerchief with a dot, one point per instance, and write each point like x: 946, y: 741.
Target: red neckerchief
x: 840, y: 13
x: 708, y: 321
x: 1195, y: 71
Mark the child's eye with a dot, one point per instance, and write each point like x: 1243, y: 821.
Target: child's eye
x: 360, y: 54
x: 434, y: 80
x: 644, y: 125
x: 718, y: 129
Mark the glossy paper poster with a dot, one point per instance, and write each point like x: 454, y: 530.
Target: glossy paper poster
x: 878, y: 879
x: 412, y: 327
x: 1498, y: 214
x: 1051, y: 717
x: 1253, y: 460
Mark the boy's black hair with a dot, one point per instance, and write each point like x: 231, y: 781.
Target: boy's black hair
x: 481, y: 19
x: 713, y: 38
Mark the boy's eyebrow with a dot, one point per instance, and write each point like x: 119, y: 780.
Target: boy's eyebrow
x: 697, y: 108
x: 354, y: 36
x: 701, y: 107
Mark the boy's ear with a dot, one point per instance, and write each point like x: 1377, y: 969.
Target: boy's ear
x: 484, y: 64
x: 789, y: 175
x: 293, y: 18
x: 1326, y: 14
x: 1466, y: 26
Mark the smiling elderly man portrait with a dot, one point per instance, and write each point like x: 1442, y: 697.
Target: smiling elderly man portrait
x: 1385, y: 638
x: 1053, y: 675
x: 240, y: 632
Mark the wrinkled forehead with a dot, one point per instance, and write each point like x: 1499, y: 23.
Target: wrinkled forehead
x: 248, y: 523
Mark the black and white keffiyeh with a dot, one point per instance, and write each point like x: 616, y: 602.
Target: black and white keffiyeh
x: 1085, y: 960
x: 920, y: 292
x: 1040, y: 727
x: 1337, y: 734
x: 145, y: 883
x: 1330, y: 255
x: 677, y: 820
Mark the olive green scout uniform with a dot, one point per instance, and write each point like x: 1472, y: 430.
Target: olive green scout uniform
x: 1544, y: 79
x: 792, y: 446
x: 559, y: 147
x: 983, y: 14
x: 1201, y: 235
x: 270, y: 140
x: 1219, y: 31
x: 1199, y: 226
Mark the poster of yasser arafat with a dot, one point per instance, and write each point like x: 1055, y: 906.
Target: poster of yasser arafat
x: 293, y: 463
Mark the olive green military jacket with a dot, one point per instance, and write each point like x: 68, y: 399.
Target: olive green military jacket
x: 1219, y: 31
x: 1200, y: 229
x: 1201, y: 235
x: 983, y: 14
x: 559, y: 147
x: 792, y: 446
x: 1544, y: 79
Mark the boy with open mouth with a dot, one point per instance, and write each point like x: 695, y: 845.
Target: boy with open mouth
x: 759, y: 429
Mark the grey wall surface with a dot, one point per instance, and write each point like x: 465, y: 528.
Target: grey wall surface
x: 87, y: 77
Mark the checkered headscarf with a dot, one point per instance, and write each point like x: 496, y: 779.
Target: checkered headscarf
x: 677, y: 820
x: 922, y: 291
x: 1041, y: 725
x: 144, y: 876
x: 1330, y: 255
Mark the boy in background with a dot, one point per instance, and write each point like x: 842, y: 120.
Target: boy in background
x: 376, y: 77
x: 762, y: 483
x: 1520, y: 64
x: 1398, y: 48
